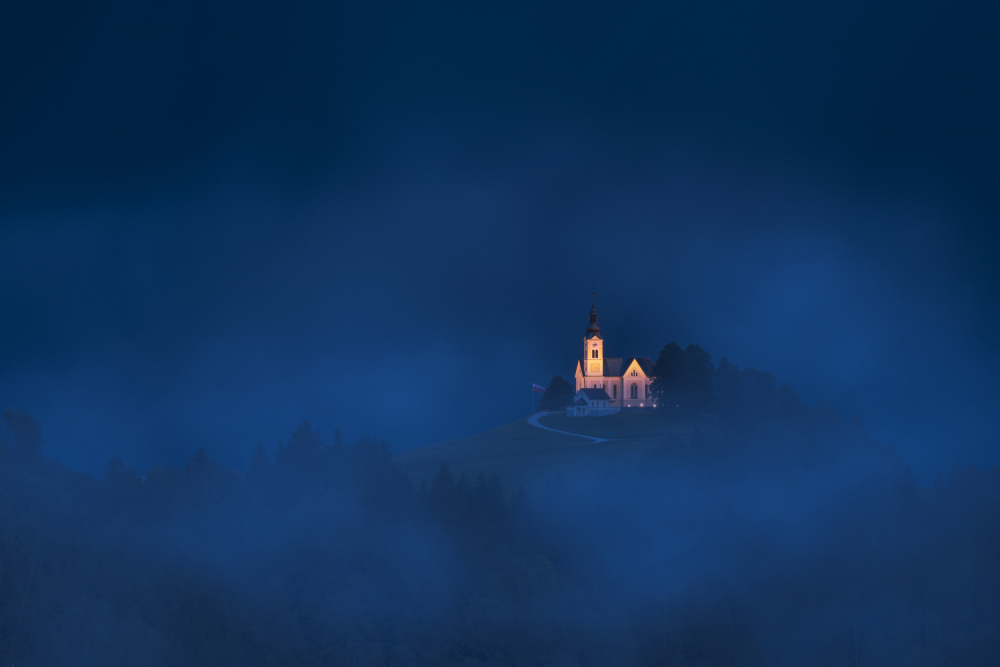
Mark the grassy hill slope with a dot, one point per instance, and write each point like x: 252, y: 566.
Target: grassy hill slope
x: 520, y: 453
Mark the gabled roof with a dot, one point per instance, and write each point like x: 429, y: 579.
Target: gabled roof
x: 579, y: 401
x: 595, y: 394
x: 615, y: 367
x: 645, y: 363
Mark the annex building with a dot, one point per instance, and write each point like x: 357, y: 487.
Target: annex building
x: 623, y: 381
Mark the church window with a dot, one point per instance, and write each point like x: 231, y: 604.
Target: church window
x: 635, y: 390
x: 593, y: 353
x: 614, y: 391
x: 645, y: 391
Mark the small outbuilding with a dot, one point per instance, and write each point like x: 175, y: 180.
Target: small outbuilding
x: 593, y: 402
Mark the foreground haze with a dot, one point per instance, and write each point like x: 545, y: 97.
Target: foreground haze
x: 687, y: 541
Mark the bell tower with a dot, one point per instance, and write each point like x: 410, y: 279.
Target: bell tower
x: 593, y: 344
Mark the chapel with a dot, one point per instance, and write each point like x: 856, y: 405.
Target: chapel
x: 625, y: 379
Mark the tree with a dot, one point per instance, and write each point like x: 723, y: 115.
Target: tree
x: 260, y: 466
x: 558, y: 395
x: 697, y: 378
x: 666, y: 377
x: 121, y: 480
x: 750, y: 397
x: 760, y: 395
x: 20, y: 436
x: 488, y: 496
x: 338, y: 440
x: 790, y: 405
x: 200, y: 463
x: 303, y: 448
x: 441, y: 494
x: 204, y: 477
x: 683, y: 380
x: 727, y: 382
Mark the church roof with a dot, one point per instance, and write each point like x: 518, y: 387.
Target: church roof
x: 614, y: 367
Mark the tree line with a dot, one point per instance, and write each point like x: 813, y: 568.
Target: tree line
x: 686, y: 383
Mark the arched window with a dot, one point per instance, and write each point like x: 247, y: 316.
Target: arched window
x: 593, y: 353
x: 645, y: 391
x: 614, y: 391
x: 635, y: 390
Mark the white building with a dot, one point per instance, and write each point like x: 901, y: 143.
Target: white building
x: 591, y: 403
x: 626, y: 380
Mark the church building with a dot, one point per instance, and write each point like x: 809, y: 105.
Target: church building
x: 626, y: 380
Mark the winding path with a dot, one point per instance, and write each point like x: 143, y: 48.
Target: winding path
x: 533, y: 420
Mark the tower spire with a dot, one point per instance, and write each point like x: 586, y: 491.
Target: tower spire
x: 593, y: 329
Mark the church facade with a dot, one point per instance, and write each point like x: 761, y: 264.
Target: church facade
x: 626, y: 380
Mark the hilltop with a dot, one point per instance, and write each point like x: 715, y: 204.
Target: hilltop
x: 521, y: 453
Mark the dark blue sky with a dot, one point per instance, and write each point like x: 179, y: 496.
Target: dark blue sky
x: 387, y: 218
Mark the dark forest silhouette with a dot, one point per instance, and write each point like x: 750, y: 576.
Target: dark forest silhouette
x: 785, y: 538
x: 748, y: 402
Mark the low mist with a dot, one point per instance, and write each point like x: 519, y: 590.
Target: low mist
x: 777, y: 536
